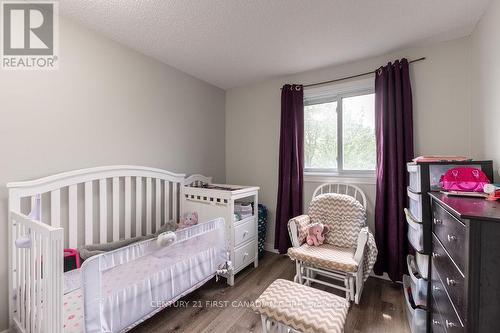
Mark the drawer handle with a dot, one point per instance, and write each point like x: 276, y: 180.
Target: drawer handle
x: 435, y: 255
x: 437, y: 221
x: 452, y: 238
x: 436, y: 288
x: 435, y: 322
x: 245, y: 254
x: 245, y: 233
x: 451, y: 282
x: 450, y: 324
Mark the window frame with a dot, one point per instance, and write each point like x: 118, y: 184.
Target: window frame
x: 337, y: 93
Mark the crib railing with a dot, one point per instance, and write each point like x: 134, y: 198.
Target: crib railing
x: 37, y: 275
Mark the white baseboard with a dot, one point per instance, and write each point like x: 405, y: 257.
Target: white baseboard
x: 269, y: 247
x: 384, y: 277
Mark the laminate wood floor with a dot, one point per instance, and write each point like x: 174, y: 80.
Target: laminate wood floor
x: 218, y: 308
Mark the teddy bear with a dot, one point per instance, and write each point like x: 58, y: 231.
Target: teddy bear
x: 188, y: 220
x: 316, y: 234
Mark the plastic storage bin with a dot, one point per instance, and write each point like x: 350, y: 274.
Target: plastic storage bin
x: 418, y: 283
x: 415, y: 205
x: 422, y: 261
x: 414, y: 173
x: 417, y: 318
x: 435, y: 173
x: 415, y: 232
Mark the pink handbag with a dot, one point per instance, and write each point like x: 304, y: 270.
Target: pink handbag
x: 464, y: 180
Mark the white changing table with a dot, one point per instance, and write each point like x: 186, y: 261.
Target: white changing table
x: 242, y: 235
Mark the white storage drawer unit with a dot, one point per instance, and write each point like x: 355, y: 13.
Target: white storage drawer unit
x: 414, y: 174
x: 217, y: 200
x: 435, y: 173
x: 417, y: 318
x: 418, y: 283
x: 415, y: 205
x: 415, y: 232
x: 422, y: 261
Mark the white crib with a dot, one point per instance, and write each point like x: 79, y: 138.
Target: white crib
x: 88, y: 206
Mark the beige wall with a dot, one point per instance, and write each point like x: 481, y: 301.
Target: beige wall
x: 441, y: 96
x: 485, y: 111
x: 105, y: 105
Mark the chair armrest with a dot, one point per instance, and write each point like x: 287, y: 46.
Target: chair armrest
x: 361, y: 245
x: 295, y: 225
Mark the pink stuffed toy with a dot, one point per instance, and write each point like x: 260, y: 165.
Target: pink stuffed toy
x: 316, y: 234
x: 188, y: 220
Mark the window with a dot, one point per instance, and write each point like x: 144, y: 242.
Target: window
x: 339, y: 130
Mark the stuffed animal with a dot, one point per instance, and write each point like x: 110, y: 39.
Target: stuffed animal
x: 188, y: 220
x: 166, y: 238
x: 316, y: 234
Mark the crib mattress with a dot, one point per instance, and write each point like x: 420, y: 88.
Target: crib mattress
x: 119, y: 284
x: 73, y: 312
x: 123, y: 287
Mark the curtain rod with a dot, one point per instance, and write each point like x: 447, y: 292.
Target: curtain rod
x: 352, y: 76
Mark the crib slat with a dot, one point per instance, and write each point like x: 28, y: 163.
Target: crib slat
x: 39, y: 283
x: 89, y: 231
x: 17, y: 283
x: 22, y: 297
x: 33, y: 305
x: 45, y: 287
x: 103, y: 211
x: 55, y: 210
x: 174, y: 201
x: 34, y: 202
x: 73, y: 227
x: 128, y: 207
x: 138, y: 206
x: 158, y: 203
x: 166, y: 197
x: 116, y: 209
x: 29, y: 284
x: 148, y: 206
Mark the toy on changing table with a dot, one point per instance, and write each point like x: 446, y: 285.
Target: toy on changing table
x: 188, y: 220
x: 316, y: 234
x: 493, y: 191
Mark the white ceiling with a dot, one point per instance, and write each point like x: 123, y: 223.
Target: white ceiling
x: 235, y: 42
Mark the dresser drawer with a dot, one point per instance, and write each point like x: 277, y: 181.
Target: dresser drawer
x: 437, y: 322
x: 451, y: 233
x: 244, y: 231
x: 453, y: 280
x: 244, y: 255
x: 443, y: 306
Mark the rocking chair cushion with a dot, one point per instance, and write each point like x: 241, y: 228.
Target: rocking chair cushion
x: 303, y: 308
x: 325, y: 256
x: 342, y: 213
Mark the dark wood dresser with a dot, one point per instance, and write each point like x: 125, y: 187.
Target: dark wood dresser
x: 465, y: 272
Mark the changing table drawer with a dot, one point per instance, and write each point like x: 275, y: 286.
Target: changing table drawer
x: 244, y: 255
x: 245, y: 231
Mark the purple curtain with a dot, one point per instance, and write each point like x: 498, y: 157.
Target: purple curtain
x: 291, y: 162
x: 394, y: 133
